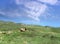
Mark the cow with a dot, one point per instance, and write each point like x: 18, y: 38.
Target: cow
x: 22, y: 29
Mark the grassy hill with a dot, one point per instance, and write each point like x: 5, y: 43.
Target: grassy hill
x: 10, y: 34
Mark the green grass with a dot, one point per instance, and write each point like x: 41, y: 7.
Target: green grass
x: 34, y: 34
x: 28, y: 38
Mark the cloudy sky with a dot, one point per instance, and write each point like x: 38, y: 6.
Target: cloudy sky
x: 38, y: 12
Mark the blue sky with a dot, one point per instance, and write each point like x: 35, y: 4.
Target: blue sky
x: 38, y: 12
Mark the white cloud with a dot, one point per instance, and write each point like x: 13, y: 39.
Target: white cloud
x: 21, y: 1
x: 33, y: 9
x: 36, y: 10
x: 52, y: 2
x: 17, y: 1
x: 2, y: 13
x: 11, y: 14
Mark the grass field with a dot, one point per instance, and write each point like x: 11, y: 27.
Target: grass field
x: 10, y: 34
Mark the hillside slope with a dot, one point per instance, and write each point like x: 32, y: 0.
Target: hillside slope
x: 10, y: 34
